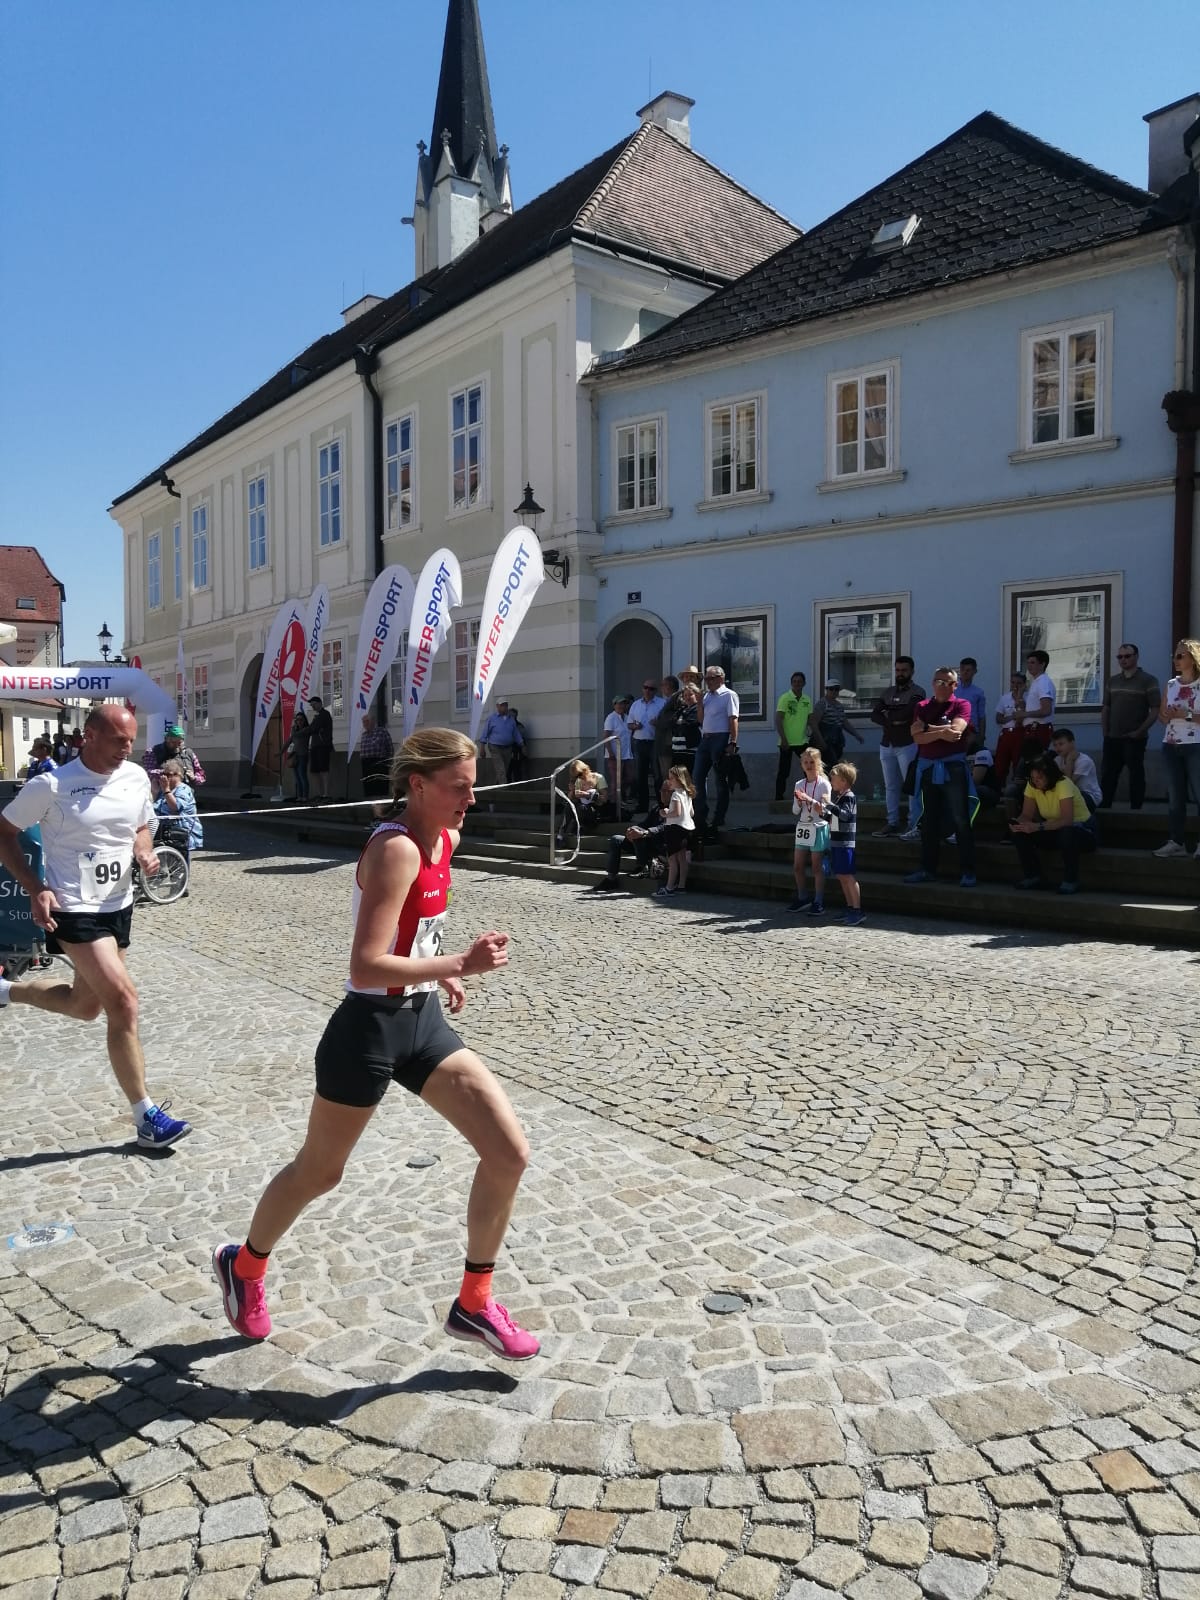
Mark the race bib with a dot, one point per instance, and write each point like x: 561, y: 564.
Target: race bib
x: 811, y: 835
x: 427, y: 942
x: 104, y: 874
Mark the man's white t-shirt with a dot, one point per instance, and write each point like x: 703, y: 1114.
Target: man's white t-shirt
x: 89, y: 821
x: 1040, y: 689
x: 720, y: 707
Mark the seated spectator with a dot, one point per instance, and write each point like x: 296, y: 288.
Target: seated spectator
x: 1077, y: 765
x: 588, y: 792
x: 646, y: 842
x: 175, y: 803
x: 1054, y: 817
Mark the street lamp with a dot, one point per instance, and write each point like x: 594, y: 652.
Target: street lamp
x: 556, y: 562
x: 106, y: 639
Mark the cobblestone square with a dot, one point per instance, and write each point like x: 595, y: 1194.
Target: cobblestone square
x: 951, y: 1176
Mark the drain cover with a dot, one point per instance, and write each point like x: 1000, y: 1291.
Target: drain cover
x: 37, y: 1238
x: 421, y: 1161
x: 723, y: 1305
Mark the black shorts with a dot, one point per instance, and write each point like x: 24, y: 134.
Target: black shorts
x: 318, y: 759
x: 85, y: 927
x: 373, y: 1039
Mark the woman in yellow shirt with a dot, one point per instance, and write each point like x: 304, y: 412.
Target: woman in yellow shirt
x: 1054, y: 816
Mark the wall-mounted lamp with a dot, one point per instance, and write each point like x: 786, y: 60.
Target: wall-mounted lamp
x: 556, y: 562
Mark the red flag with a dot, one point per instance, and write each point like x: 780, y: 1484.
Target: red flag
x: 291, y: 664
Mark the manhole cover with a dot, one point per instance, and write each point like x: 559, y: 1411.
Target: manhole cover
x: 37, y: 1238
x: 421, y: 1161
x: 723, y: 1305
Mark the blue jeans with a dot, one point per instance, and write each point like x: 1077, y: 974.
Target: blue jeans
x: 708, y: 755
x: 300, y: 777
x: 1183, y: 773
x: 895, y: 761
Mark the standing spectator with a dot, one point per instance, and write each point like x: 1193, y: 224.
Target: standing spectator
x: 1053, y: 817
x: 320, y: 747
x: 718, y: 733
x: 842, y: 811
x: 943, y: 781
x: 616, y: 729
x: 828, y: 728
x: 894, y: 711
x: 1131, y: 702
x: 298, y: 750
x: 1180, y: 716
x: 518, y: 767
x: 685, y: 739
x: 1009, y: 710
x: 40, y: 759
x: 792, y: 714
x: 1040, y: 697
x: 1077, y: 765
x: 173, y: 748
x: 680, y: 825
x: 643, y: 714
x: 664, y: 725
x: 376, y: 751
x: 62, y: 751
x: 501, y: 738
x: 970, y: 691
x: 812, y: 833
x: 76, y: 742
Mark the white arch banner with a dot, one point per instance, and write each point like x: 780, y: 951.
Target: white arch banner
x: 516, y: 575
x: 439, y: 590
x: 86, y: 683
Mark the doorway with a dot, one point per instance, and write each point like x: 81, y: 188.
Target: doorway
x: 634, y: 652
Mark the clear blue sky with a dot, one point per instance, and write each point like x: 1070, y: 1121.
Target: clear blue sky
x: 191, y: 191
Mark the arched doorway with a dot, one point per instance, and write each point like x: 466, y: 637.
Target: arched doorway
x: 636, y: 649
x: 264, y: 774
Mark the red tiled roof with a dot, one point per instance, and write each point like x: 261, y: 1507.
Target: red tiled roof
x: 25, y: 576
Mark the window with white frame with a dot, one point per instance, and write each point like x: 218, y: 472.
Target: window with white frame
x: 256, y: 522
x: 396, y: 681
x: 638, y: 449
x: 177, y: 550
x: 467, y: 421
x: 1064, y: 383
x: 737, y: 644
x: 734, y: 431
x: 400, y: 464
x: 200, y: 547
x: 154, y: 571
x: 1073, y: 624
x: 199, y: 695
x: 466, y: 637
x: 329, y: 492
x: 333, y: 675
x: 862, y: 421
x: 858, y: 647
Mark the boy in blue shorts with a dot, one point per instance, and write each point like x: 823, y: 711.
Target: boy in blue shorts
x: 841, y: 811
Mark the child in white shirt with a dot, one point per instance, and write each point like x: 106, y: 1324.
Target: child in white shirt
x: 678, y: 814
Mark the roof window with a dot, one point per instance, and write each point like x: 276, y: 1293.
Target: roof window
x: 24, y: 603
x: 895, y: 235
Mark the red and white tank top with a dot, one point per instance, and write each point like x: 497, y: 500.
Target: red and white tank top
x: 423, y: 915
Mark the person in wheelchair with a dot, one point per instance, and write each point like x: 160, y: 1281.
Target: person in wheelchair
x: 175, y: 803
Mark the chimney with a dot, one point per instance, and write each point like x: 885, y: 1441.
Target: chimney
x: 669, y: 111
x: 1168, y: 159
x: 366, y: 302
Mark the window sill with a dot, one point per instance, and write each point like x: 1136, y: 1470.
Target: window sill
x: 329, y: 546
x: 406, y: 532
x: 455, y: 512
x: 1071, y: 447
x: 861, y: 480
x: 618, y: 519
x: 205, y: 588
x: 727, y: 502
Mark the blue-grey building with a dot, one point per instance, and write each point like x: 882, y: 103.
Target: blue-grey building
x: 934, y: 424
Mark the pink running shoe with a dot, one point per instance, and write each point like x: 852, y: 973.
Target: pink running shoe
x: 242, y: 1298
x: 494, y: 1328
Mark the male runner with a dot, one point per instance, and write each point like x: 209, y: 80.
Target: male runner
x: 95, y: 815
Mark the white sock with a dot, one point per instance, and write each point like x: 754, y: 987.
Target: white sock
x: 5, y: 986
x: 140, y: 1109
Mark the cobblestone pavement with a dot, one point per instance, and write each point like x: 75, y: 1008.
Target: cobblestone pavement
x: 964, y: 1361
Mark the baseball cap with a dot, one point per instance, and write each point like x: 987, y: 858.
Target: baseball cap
x: 174, y: 731
x: 832, y: 683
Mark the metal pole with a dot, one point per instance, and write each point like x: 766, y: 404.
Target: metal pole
x: 553, y: 820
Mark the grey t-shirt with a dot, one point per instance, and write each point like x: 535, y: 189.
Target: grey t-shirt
x: 1129, y: 701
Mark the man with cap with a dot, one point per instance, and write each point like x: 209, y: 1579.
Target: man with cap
x: 827, y: 728
x: 616, y: 730
x: 501, y: 738
x: 173, y: 748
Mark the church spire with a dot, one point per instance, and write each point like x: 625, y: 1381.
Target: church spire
x: 463, y: 180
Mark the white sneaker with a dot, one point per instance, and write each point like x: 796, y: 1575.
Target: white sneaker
x: 1166, y: 851
x: 911, y: 833
x: 1197, y: 855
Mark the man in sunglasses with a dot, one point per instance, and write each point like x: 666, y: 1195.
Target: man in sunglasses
x: 643, y: 714
x: 1130, y: 709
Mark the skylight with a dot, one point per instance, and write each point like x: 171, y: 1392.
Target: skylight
x: 26, y: 604
x: 895, y: 235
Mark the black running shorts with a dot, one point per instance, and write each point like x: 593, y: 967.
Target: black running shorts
x: 372, y: 1040
x: 85, y: 927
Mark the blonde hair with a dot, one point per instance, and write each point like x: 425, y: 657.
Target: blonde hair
x: 683, y: 778
x: 847, y: 771
x: 1192, y: 646
x: 811, y: 750
x: 427, y: 751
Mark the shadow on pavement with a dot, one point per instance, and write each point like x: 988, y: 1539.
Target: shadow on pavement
x: 49, y: 1158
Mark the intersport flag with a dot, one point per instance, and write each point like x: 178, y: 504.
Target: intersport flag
x: 268, y: 677
x: 516, y: 575
x: 318, y: 616
x: 291, y: 663
x: 385, y: 617
x: 181, y: 686
x: 439, y: 589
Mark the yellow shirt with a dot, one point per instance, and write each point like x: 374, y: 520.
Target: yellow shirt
x: 1049, y: 801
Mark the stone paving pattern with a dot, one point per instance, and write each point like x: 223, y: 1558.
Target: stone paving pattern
x: 969, y: 1359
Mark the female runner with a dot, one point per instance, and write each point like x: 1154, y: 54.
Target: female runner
x: 390, y: 1026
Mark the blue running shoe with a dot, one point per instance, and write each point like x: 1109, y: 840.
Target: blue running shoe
x: 967, y: 881
x: 920, y: 876
x: 157, y: 1130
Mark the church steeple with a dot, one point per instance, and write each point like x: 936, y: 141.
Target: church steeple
x: 462, y: 180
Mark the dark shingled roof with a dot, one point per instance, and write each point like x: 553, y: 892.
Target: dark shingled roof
x: 990, y: 198
x: 648, y: 196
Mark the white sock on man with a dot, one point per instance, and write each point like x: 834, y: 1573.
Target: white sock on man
x: 140, y: 1109
x: 5, y: 986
